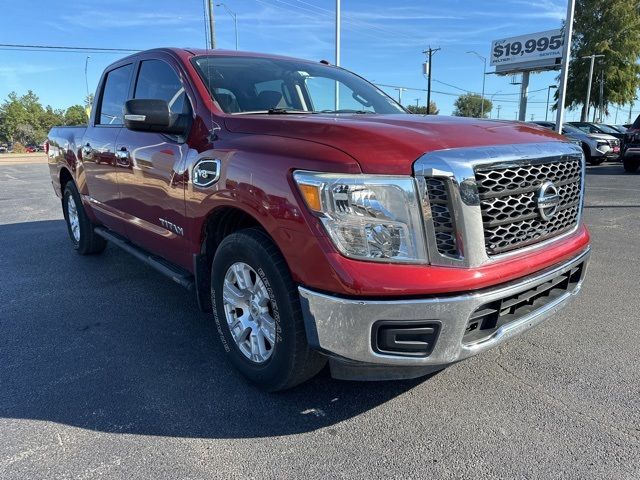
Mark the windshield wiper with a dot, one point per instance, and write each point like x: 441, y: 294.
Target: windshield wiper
x: 273, y: 111
x: 345, y: 110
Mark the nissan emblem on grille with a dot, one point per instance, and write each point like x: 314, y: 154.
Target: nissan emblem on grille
x: 525, y: 204
x: 548, y: 200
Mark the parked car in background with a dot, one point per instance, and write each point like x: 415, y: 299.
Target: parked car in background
x: 620, y: 128
x: 597, y: 147
x: 599, y: 128
x: 631, y: 152
x: 4, y: 148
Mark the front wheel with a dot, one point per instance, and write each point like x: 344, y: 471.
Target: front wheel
x: 257, y: 313
x: 631, y: 164
x: 85, y: 241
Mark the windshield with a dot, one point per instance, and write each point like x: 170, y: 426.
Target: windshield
x: 570, y: 129
x: 607, y: 129
x: 266, y: 85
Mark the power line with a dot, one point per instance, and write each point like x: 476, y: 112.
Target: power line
x: 60, y: 48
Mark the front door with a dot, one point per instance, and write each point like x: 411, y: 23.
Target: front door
x: 150, y: 171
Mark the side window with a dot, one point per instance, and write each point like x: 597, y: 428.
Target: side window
x: 116, y: 89
x: 158, y: 81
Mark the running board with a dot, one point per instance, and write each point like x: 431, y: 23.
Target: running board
x: 175, y: 273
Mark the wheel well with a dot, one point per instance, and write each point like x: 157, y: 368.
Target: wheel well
x: 65, y: 177
x: 586, y: 149
x: 222, y: 223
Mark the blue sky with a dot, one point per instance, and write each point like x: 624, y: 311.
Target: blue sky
x: 381, y: 40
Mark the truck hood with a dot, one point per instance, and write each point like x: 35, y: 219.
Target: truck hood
x: 390, y: 144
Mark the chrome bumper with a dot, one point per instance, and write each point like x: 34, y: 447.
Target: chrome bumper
x: 342, y: 328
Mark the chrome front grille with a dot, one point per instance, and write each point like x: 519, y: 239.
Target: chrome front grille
x: 481, y: 202
x: 508, y: 201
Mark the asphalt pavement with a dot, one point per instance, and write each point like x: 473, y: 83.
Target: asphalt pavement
x: 108, y: 370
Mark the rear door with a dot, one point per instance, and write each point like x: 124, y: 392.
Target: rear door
x: 151, y: 168
x: 99, y: 145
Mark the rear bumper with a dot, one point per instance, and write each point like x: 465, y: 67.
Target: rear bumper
x: 343, y: 328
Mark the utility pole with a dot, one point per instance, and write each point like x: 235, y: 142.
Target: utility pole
x: 429, y: 54
x: 498, y: 109
x: 546, y: 113
x: 585, y: 112
x: 630, y: 111
x: 417, y: 102
x: 564, y: 73
x: 212, y: 26
x: 532, y: 116
x: 400, y: 90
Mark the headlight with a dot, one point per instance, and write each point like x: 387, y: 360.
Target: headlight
x: 368, y: 217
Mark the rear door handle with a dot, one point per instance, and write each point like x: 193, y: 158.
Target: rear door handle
x: 123, y: 158
x: 87, y: 151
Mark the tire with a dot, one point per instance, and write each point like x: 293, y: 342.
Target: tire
x: 280, y: 358
x: 630, y: 164
x: 83, y: 237
x: 587, y: 153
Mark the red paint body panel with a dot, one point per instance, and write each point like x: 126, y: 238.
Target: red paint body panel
x: 258, y: 154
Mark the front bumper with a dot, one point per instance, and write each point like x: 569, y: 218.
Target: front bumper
x: 342, y: 328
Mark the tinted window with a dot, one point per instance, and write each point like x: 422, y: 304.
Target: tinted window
x: 158, y: 81
x: 255, y: 84
x: 116, y: 89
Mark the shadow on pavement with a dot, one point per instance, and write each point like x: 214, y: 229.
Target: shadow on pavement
x: 107, y: 344
x: 607, y: 169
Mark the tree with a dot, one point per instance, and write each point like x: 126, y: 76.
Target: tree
x: 433, y: 109
x: 470, y: 105
x: 24, y: 119
x: 75, y: 115
x: 610, y: 28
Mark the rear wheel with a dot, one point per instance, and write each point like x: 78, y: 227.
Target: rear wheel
x: 631, y: 164
x: 85, y: 241
x: 257, y: 313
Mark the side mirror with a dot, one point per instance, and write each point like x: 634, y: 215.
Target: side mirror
x: 152, y: 115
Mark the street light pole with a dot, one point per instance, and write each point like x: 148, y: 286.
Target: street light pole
x: 585, y: 112
x: 235, y: 19
x: 566, y: 54
x: 86, y: 78
x: 491, y: 100
x: 484, y: 77
x: 546, y: 113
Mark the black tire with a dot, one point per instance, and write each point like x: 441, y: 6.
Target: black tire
x: 291, y: 361
x: 587, y: 153
x: 631, y: 164
x: 86, y: 242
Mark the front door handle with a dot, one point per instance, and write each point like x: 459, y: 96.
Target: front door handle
x: 123, y: 158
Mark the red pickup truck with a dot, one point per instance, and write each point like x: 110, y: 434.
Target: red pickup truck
x: 317, y: 219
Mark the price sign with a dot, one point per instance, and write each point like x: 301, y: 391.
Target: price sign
x: 527, y: 48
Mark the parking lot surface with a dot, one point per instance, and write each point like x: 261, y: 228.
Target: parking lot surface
x: 108, y: 370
